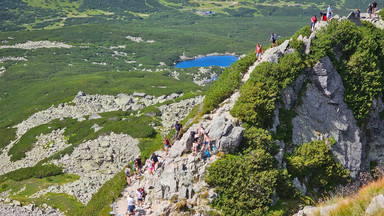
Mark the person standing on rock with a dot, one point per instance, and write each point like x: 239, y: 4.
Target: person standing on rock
x: 139, y: 198
x: 357, y: 13
x: 155, y: 159
x: 135, y: 168
x: 258, y: 51
x: 374, y: 8
x: 139, y: 164
x: 369, y: 10
x: 207, y: 143
x: 166, y: 145
x: 329, y: 12
x: 178, y: 128
x: 131, y: 204
x: 201, y: 132
x: 313, y: 22
x: 194, y: 147
x: 127, y: 172
x: 273, y: 39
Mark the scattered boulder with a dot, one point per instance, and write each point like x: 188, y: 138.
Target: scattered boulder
x: 375, y: 206
x: 94, y: 116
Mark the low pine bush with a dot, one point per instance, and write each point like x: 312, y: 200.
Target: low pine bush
x: 227, y: 83
x: 38, y: 171
x: 315, y: 162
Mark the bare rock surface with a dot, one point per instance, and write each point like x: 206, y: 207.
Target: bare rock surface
x: 46, y: 145
x: 324, y: 114
x: 37, y: 45
x: 29, y: 210
x: 95, y: 161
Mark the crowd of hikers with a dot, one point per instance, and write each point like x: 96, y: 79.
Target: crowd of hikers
x: 202, y: 144
x: 324, y: 17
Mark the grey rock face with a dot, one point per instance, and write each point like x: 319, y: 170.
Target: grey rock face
x: 94, y: 116
x: 323, y: 114
x: 301, y: 187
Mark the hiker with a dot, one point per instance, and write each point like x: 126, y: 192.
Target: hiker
x: 131, y: 204
x: 273, y: 39
x: 201, y: 132
x: 313, y: 22
x: 357, y: 13
x: 143, y: 194
x: 139, y: 164
x: 178, y: 128
x: 166, y: 145
x: 329, y: 12
x: 374, y: 9
x: 127, y: 172
x: 259, y: 51
x: 155, y: 159
x: 194, y: 147
x: 323, y: 16
x: 207, y: 143
x: 135, y: 168
x: 369, y: 10
x: 139, y: 197
x: 150, y: 165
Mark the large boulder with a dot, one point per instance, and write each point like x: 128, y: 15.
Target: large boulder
x: 323, y: 114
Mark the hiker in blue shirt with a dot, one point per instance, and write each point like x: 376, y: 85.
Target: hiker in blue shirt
x: 329, y: 12
x: 273, y: 39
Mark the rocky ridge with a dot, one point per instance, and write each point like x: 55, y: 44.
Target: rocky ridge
x: 181, y: 176
x: 84, y: 105
x: 29, y: 45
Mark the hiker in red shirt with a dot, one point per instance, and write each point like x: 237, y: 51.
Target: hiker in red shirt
x: 313, y: 22
x: 258, y: 51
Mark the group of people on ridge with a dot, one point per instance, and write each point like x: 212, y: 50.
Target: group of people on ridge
x: 151, y: 164
x: 202, y: 143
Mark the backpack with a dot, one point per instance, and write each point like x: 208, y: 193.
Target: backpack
x: 274, y: 36
x: 208, y: 154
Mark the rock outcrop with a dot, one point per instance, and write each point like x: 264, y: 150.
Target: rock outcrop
x: 323, y: 114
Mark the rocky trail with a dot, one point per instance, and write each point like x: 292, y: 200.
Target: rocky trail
x: 220, y: 125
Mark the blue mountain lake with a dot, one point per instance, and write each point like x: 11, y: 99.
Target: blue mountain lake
x: 222, y: 61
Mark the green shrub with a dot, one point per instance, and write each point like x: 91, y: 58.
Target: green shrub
x: 285, y: 129
x: 245, y: 183
x: 227, y: 83
x: 256, y: 103
x: 314, y: 161
x: 106, y: 195
x: 360, y: 67
x: 257, y: 138
x: 148, y: 146
x: 6, y: 136
x: 296, y: 44
x: 38, y: 171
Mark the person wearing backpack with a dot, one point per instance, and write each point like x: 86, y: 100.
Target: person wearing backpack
x: 273, y: 39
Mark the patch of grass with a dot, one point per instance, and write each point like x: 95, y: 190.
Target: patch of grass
x: 33, y: 185
x: 27, y: 141
x: 357, y: 204
x: 6, y: 135
x: 38, y: 171
x: 149, y: 145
